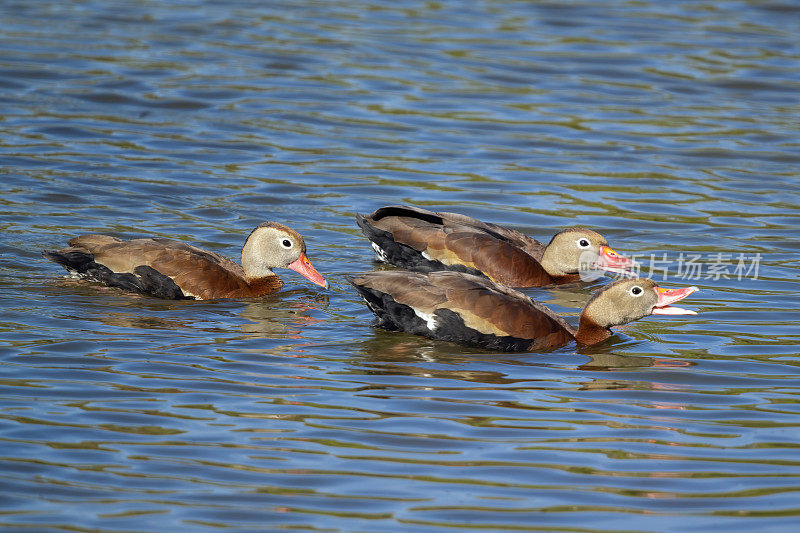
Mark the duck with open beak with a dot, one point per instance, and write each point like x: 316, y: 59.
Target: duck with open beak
x: 471, y: 310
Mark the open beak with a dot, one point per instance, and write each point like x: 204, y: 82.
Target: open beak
x: 304, y: 267
x: 612, y: 261
x: 669, y: 296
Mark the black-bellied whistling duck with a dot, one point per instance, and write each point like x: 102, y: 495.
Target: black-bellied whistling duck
x: 471, y: 310
x: 426, y: 241
x: 166, y: 268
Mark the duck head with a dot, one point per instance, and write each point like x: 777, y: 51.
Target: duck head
x: 576, y: 250
x: 273, y: 245
x: 624, y: 301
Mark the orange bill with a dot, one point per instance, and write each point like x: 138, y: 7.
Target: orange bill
x: 304, y: 267
x: 612, y: 261
x: 669, y: 296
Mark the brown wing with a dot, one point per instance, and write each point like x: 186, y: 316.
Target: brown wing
x: 93, y: 241
x: 197, y: 272
x: 518, y: 239
x: 481, y: 306
x: 490, y: 308
x: 504, y: 255
x: 498, y: 259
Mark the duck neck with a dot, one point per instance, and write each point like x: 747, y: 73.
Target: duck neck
x: 265, y: 285
x: 550, y: 263
x: 253, y: 266
x: 589, y: 332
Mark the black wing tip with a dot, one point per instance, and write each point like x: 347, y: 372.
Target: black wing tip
x: 71, y: 259
x: 154, y: 283
x: 143, y: 280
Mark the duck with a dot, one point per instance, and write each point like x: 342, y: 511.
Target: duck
x: 417, y: 239
x: 171, y: 269
x: 473, y: 311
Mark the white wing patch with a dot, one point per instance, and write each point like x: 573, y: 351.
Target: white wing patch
x: 430, y: 320
x: 379, y: 253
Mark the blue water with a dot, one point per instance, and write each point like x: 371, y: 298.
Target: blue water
x: 672, y: 127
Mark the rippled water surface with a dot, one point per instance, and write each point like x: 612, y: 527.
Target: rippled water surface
x: 670, y: 126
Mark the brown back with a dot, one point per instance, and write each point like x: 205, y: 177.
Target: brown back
x: 504, y: 255
x: 483, y: 306
x: 197, y: 272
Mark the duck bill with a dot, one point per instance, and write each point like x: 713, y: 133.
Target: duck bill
x: 304, y: 267
x: 611, y: 261
x: 670, y: 296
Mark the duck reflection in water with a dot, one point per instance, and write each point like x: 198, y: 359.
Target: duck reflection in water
x: 283, y: 316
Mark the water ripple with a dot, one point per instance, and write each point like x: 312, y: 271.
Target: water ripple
x: 669, y: 126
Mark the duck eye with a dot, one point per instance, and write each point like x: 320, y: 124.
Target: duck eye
x: 286, y: 243
x: 583, y: 243
x: 636, y: 290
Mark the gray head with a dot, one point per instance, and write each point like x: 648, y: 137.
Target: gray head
x: 574, y: 249
x: 273, y: 245
x: 626, y: 300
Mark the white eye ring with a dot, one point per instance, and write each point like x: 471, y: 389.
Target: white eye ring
x: 583, y: 242
x: 636, y: 291
x: 286, y: 243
